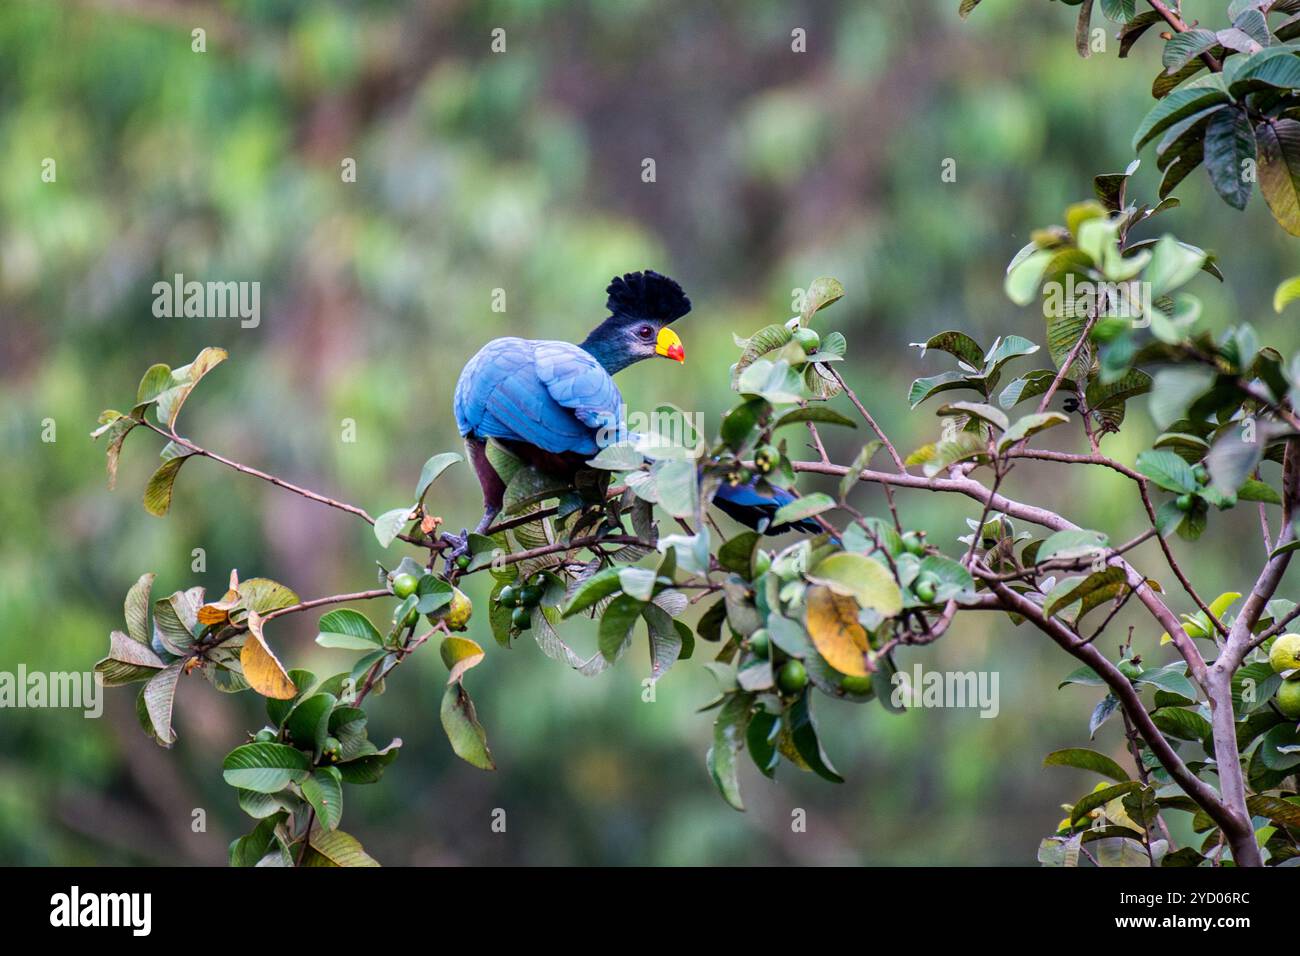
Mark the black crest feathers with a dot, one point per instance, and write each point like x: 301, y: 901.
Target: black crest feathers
x: 647, y: 295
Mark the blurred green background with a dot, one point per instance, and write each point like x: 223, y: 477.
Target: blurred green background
x: 522, y: 171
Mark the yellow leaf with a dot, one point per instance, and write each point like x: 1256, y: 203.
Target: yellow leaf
x: 218, y: 612
x: 262, y: 669
x: 835, y: 631
x: 460, y: 654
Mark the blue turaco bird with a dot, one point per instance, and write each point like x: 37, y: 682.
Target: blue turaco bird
x: 550, y: 403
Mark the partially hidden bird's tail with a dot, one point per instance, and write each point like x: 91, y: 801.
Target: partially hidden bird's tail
x: 749, y: 506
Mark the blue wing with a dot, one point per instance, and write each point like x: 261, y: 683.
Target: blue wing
x: 553, y: 395
x: 748, y: 505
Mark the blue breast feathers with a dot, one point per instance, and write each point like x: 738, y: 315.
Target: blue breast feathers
x: 553, y: 395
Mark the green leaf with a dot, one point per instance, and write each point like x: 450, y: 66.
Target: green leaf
x: 1085, y: 759
x: 616, y: 625
x: 1280, y: 747
x: 370, y: 767
x: 778, y: 382
x: 959, y: 344
x: 666, y: 642
x: 1278, y: 141
x: 865, y: 580
x: 728, y: 740
x: 1186, y: 45
x: 308, y: 723
x: 1030, y: 385
x: 1182, y: 724
x: 154, y: 382
x: 1182, y: 102
x: 1286, y: 293
x: 801, y: 508
x: 128, y: 661
x: 158, y: 493
x: 467, y: 736
x: 182, y: 382
x: 324, y: 791
x: 1072, y: 543
x: 678, y: 485
x: 923, y: 388
x: 1028, y: 426
x: 814, y: 413
x: 1231, y: 461
x: 1025, y: 277
x: 528, y: 487
x: 860, y: 462
x: 739, y: 422
x: 252, y: 847
x: 336, y: 848
x: 1277, y: 69
x: 264, y: 595
x: 434, y: 467
x: 737, y: 554
x: 761, y: 738
x: 951, y: 579
x: 1174, y: 389
x: 390, y: 524
x: 1100, y: 798
x: 1168, y: 470
x: 265, y: 767
x: 985, y: 413
x: 1172, y: 265
x: 1169, y: 678
x: 600, y: 585
x: 803, y: 734
x: 620, y: 457
x: 158, y: 697
x: 1096, y: 588
x: 823, y: 291
x: 1253, y: 490
x: 1230, y: 154
x: 348, y: 629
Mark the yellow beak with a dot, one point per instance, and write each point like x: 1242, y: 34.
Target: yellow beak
x: 669, y: 345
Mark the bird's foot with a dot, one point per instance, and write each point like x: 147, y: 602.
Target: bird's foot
x: 459, y: 547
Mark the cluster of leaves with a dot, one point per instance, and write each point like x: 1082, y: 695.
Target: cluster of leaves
x: 1116, y: 823
x: 1227, y: 99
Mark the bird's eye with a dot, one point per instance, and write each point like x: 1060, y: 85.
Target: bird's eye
x: 645, y: 332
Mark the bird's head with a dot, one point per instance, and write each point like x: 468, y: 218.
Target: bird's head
x: 641, y: 306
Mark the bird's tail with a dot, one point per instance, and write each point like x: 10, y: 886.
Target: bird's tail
x: 749, y: 506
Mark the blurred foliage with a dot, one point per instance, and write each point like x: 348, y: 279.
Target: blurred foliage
x: 519, y: 171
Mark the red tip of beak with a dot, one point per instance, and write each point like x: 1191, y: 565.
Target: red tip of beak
x: 677, y: 353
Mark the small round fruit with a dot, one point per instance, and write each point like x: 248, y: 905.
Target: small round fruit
x: 331, y: 748
x: 760, y: 643
x: 462, y: 561
x: 455, y: 614
x: 924, y: 590
x: 766, y: 458
x: 265, y: 735
x: 854, y: 684
x: 913, y: 543
x: 1285, y: 653
x: 530, y: 595
x: 522, y: 618
x: 1130, y: 668
x: 412, y: 618
x: 1288, y: 699
x: 404, y: 585
x: 508, y: 596
x: 1184, y: 503
x: 808, y: 340
x: 738, y: 476
x: 793, y: 677
x: 1202, y: 474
